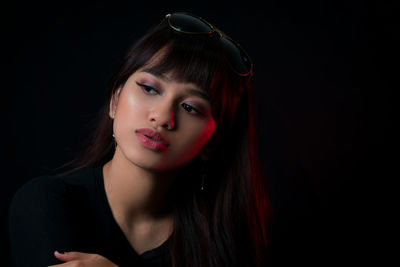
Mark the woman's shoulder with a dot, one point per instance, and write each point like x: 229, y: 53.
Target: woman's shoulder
x: 34, y: 199
x: 51, y: 212
x: 40, y: 186
x: 52, y: 188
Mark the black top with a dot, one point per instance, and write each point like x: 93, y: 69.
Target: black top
x: 71, y: 213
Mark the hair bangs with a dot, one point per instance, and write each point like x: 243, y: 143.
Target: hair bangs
x: 191, y: 59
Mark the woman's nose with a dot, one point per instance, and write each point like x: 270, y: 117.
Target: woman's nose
x: 163, y: 115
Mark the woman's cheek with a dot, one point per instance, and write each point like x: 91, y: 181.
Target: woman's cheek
x: 137, y: 108
x: 198, y: 141
x: 130, y: 112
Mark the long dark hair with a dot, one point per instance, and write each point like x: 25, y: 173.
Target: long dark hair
x: 224, y: 225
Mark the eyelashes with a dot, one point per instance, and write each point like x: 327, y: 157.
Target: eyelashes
x: 147, y: 88
x: 148, y: 91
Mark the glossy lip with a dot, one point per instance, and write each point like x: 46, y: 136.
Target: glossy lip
x: 146, y: 136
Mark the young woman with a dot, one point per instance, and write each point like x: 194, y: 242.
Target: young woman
x: 171, y: 177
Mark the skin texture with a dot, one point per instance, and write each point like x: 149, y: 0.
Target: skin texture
x: 137, y: 179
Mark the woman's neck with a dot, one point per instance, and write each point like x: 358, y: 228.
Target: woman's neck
x: 136, y: 194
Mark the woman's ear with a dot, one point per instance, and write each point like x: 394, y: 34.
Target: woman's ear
x: 114, y: 103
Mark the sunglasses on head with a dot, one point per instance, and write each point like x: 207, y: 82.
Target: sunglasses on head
x: 187, y: 23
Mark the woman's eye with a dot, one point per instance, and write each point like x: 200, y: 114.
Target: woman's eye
x: 147, y: 89
x: 191, y: 109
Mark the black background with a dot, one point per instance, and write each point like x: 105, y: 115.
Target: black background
x: 324, y: 105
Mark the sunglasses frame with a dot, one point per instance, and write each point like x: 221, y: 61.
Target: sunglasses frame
x: 212, y: 31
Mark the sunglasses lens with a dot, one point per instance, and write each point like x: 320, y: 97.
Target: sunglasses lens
x: 187, y: 23
x: 238, y: 58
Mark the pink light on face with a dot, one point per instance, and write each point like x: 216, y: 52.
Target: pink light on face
x: 208, y: 131
x: 195, y: 146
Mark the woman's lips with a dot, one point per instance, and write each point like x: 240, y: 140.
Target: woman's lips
x: 152, y: 144
x: 154, y: 135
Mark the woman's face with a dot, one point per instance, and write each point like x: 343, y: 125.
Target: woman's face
x: 179, y: 111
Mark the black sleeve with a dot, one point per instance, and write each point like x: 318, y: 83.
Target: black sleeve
x: 38, y: 223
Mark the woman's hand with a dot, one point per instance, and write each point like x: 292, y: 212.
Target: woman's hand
x: 82, y: 259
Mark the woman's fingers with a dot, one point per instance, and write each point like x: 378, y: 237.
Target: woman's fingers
x: 74, y: 258
x: 70, y: 256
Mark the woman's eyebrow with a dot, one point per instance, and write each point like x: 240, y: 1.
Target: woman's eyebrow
x: 192, y: 91
x: 198, y: 93
x: 157, y: 74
